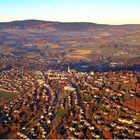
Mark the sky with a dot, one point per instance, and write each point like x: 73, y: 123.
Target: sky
x: 96, y: 11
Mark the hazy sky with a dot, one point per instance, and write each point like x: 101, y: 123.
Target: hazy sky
x: 98, y: 11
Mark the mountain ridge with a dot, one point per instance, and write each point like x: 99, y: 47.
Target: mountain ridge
x: 80, y: 22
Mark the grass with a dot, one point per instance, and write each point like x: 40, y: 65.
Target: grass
x: 94, y: 50
x: 61, y: 113
x: 7, y: 96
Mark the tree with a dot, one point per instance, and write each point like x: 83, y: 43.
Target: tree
x: 1, y: 129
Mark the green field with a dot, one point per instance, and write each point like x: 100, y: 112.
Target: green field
x: 7, y: 96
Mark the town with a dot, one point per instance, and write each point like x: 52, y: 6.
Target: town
x: 68, y: 104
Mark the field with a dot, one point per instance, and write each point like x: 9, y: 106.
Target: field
x: 7, y: 96
x: 81, y: 53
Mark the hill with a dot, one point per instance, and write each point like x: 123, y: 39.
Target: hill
x: 78, y: 41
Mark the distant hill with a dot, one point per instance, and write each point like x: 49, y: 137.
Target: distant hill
x: 118, y: 41
x: 68, y: 26
x: 59, y: 24
x: 21, y: 23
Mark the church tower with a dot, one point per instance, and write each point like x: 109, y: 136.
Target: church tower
x: 69, y: 69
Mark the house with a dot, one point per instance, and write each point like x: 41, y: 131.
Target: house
x: 69, y: 88
x: 137, y: 134
x: 125, y: 120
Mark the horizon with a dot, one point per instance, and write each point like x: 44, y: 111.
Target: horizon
x: 23, y: 20
x: 112, y: 12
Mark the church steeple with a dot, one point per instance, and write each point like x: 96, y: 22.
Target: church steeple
x: 68, y: 69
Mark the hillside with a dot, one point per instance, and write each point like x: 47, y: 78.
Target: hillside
x: 78, y: 41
